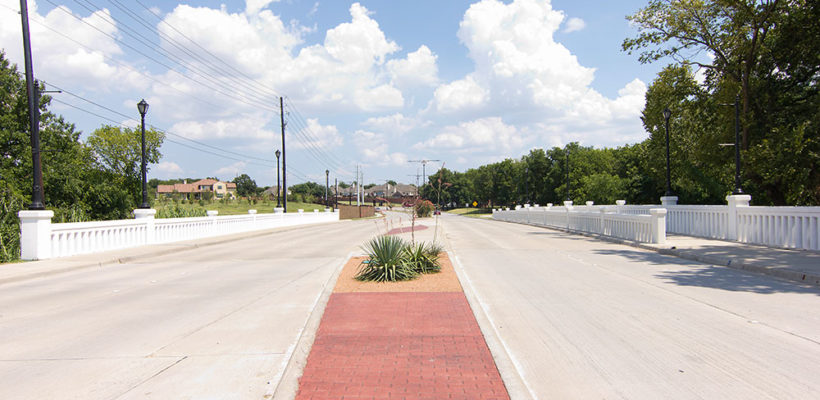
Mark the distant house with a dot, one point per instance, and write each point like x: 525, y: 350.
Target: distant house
x: 194, y: 190
x: 272, y: 191
x: 393, y: 191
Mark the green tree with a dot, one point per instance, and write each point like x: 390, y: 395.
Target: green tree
x: 117, y: 155
x: 245, y: 186
x: 765, y: 52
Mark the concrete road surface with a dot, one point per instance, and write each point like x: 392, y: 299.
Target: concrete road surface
x: 215, y: 322
x: 586, y: 319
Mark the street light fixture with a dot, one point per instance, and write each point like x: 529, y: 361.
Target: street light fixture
x: 736, y: 104
x: 666, y: 115
x: 278, y: 187
x: 142, y: 107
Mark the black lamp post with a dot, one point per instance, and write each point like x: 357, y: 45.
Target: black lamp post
x: 278, y: 187
x: 738, y: 189
x: 527, y: 185
x: 327, y: 185
x: 568, y: 199
x: 142, y: 106
x: 34, y: 115
x: 666, y: 115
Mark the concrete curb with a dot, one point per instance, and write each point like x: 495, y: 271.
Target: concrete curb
x: 507, y: 368
x: 150, y: 251
x: 730, y: 262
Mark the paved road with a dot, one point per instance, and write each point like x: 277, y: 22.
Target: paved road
x: 212, y: 322
x: 586, y: 319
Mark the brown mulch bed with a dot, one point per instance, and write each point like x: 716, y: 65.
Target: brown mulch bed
x: 444, y: 281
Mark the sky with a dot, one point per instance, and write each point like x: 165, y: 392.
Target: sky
x: 375, y: 84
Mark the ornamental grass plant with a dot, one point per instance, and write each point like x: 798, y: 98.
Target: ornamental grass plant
x: 392, y: 259
x: 422, y: 260
x: 387, y: 261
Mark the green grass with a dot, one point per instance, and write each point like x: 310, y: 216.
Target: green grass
x: 238, y: 207
x: 471, y: 212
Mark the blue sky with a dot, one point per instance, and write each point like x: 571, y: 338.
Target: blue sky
x: 370, y: 83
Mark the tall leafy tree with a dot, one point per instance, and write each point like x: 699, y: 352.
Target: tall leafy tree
x: 117, y: 155
x: 245, y: 186
x: 765, y: 52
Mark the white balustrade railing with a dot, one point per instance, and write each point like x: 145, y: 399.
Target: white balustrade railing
x: 702, y: 221
x: 40, y: 239
x: 601, y: 220
x: 788, y: 227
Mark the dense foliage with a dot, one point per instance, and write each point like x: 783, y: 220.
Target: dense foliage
x: 95, y: 180
x: 424, y: 208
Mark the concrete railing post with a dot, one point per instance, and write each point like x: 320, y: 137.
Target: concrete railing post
x: 669, y: 200
x: 147, y: 215
x: 658, y: 225
x: 734, y: 201
x: 590, y: 203
x: 278, y: 210
x: 35, y: 234
x: 618, y: 205
x: 568, y: 206
x: 253, y: 218
x: 212, y: 216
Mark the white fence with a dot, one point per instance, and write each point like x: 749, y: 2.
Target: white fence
x: 790, y: 227
x: 787, y: 227
x: 603, y: 221
x: 40, y: 239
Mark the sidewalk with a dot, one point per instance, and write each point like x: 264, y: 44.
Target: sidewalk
x: 796, y: 265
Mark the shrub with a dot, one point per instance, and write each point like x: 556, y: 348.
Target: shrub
x: 424, y: 208
x: 387, y: 261
x: 177, y: 211
x: 422, y: 259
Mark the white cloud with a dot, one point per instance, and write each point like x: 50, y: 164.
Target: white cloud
x: 167, y: 168
x: 322, y: 136
x: 481, y: 135
x: 374, y: 149
x: 248, y: 126
x: 395, y: 124
x: 313, y: 9
x: 232, y: 170
x: 521, y: 70
x: 574, y: 24
x: 252, y: 7
x: 384, y: 97
x: 58, y: 57
x: 459, y: 95
x: 419, y: 68
x: 360, y: 43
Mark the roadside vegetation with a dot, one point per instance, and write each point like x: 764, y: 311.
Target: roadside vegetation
x: 392, y: 259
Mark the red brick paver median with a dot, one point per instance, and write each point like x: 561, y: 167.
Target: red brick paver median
x: 391, y: 345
